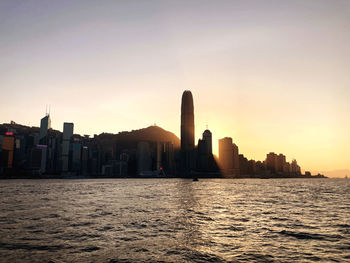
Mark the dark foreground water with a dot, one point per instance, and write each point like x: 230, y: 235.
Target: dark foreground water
x: 175, y: 220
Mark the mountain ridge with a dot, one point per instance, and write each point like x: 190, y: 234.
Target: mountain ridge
x: 152, y: 133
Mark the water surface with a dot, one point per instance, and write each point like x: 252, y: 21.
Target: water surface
x: 175, y: 220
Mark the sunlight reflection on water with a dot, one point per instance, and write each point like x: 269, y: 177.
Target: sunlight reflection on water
x: 175, y: 220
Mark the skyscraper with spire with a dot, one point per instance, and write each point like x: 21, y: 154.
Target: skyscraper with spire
x: 187, y: 133
x: 45, y: 125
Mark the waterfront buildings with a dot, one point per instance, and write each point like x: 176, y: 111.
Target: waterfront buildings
x: 155, y: 158
x: 145, y: 152
x: 276, y: 163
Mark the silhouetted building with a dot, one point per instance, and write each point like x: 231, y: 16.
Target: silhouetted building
x: 155, y: 158
x: 202, y: 155
x: 243, y: 165
x: 259, y: 168
x: 45, y: 124
x: 123, y: 165
x: 271, y: 162
x: 66, y: 138
x: 7, y: 149
x: 205, y: 160
x: 281, y: 160
x: 286, y: 168
x: 207, y: 138
x: 143, y: 156
x: 116, y: 168
x: 187, y: 133
x: 236, y: 166
x: 277, y: 164
x: 76, y: 157
x: 53, y: 152
x: 38, y: 158
x: 166, y: 159
x: 149, y: 152
x: 84, y: 160
x: 251, y: 169
x: 295, y: 168
x: 228, y: 157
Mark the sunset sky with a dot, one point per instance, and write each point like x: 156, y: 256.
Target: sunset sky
x: 273, y: 75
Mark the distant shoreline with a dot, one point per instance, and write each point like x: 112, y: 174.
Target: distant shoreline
x: 38, y: 177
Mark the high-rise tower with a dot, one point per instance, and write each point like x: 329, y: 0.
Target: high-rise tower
x: 67, y: 135
x: 187, y: 132
x: 207, y: 138
x: 45, y: 124
x: 204, y: 152
x: 228, y: 157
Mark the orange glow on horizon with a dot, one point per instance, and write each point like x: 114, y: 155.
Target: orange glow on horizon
x: 269, y: 81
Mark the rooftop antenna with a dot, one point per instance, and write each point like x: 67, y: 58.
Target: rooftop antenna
x: 206, y: 126
x: 49, y: 109
x: 46, y: 110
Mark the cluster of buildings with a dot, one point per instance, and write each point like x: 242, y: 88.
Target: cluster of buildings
x: 49, y: 153
x: 233, y: 164
x: 194, y: 161
x: 149, y: 152
x: 30, y: 150
x: 230, y: 163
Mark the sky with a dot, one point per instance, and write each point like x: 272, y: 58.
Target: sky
x: 273, y: 75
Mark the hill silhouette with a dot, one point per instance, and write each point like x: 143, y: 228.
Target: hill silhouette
x: 129, y: 139
x: 124, y: 139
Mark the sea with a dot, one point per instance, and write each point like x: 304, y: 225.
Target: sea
x: 175, y: 220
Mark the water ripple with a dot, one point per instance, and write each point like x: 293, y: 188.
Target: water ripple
x: 175, y: 220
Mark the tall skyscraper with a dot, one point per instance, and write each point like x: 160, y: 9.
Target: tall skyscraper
x: 45, y: 124
x: 207, y: 138
x: 204, y: 152
x: 187, y: 133
x: 67, y: 134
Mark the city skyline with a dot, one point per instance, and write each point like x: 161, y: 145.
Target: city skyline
x: 149, y: 152
x: 270, y: 81
x: 174, y: 130
x: 194, y: 158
